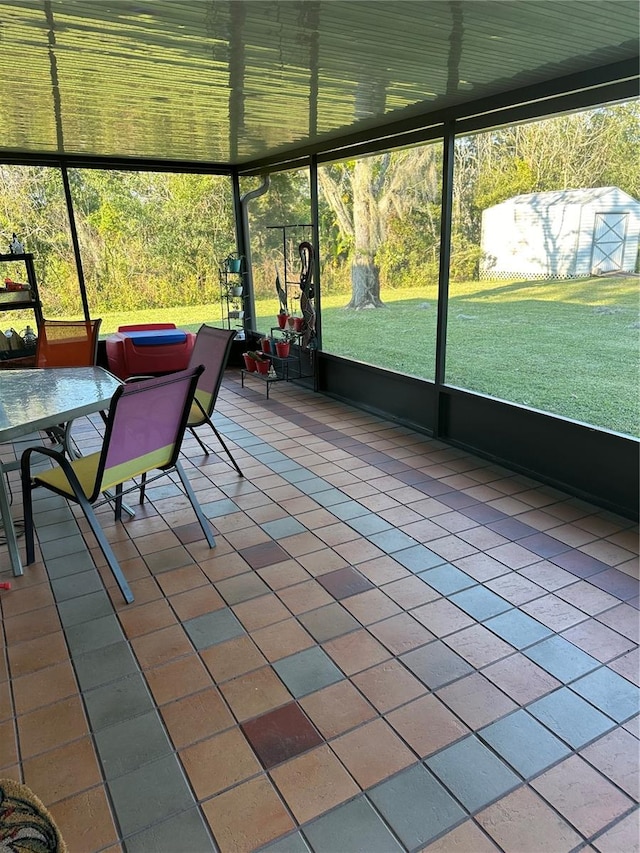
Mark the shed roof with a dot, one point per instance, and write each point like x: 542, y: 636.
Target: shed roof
x: 567, y: 197
x: 237, y: 81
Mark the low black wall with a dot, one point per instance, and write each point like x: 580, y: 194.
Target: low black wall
x: 594, y: 464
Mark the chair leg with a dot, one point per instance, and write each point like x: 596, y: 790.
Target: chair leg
x: 143, y: 487
x: 105, y: 547
x: 222, y: 442
x: 118, y: 502
x: 27, y: 504
x: 85, y: 506
x: 205, y: 447
x: 204, y: 522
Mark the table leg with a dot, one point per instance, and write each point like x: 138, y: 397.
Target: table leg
x: 9, y: 529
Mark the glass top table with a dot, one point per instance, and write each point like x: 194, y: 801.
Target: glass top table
x: 35, y: 399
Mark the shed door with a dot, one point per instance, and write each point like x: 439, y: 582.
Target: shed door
x: 608, y: 242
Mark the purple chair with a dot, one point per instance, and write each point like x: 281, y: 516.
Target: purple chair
x: 144, y: 431
x: 211, y: 350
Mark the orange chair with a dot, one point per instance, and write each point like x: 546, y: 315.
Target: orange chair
x: 67, y: 343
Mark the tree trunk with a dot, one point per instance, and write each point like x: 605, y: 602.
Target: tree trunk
x: 365, y: 274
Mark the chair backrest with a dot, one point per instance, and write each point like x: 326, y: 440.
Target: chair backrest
x: 211, y: 349
x: 145, y: 427
x: 67, y: 343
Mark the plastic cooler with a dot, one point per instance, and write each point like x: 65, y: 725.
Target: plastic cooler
x: 148, y: 349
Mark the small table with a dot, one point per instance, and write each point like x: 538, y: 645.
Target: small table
x: 35, y: 399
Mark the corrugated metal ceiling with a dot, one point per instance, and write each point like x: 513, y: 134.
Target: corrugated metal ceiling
x: 232, y: 82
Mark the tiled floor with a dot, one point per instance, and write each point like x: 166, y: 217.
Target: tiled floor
x: 394, y: 646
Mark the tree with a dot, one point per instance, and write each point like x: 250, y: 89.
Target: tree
x: 366, y: 196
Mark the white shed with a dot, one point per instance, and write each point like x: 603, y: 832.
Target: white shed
x: 563, y: 234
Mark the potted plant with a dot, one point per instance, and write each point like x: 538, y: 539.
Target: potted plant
x: 265, y: 345
x: 263, y: 363
x: 236, y: 290
x: 282, y: 348
x: 250, y: 361
x: 282, y: 318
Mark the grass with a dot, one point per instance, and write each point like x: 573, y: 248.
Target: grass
x: 566, y: 347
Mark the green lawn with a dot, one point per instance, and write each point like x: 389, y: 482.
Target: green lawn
x: 567, y: 347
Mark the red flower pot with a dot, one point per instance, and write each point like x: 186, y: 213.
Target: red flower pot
x: 282, y: 349
x: 297, y: 324
x: 263, y: 367
x: 265, y: 343
x: 282, y: 320
x: 249, y: 363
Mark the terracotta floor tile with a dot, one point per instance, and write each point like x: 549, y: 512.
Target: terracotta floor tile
x: 321, y: 562
x: 521, y: 679
x: 478, y: 645
x: 80, y: 834
x: 301, y: 543
x: 587, y: 597
x: 8, y: 744
x: 388, y: 685
x: 145, y: 618
x: 143, y: 590
x: 553, y: 612
x: 51, y: 726
x: 255, y: 693
x: 482, y: 567
x: 44, y: 686
x: 356, y: 651
x: 304, y: 596
x: 623, y: 835
x: 260, y: 612
x: 522, y: 823
x: 466, y: 838
x: 442, y: 617
x: 285, y: 574
x: 31, y: 625
x: 372, y: 752
x: 263, y: 554
x: 23, y: 600
x: 337, y: 708
x: 624, y: 619
x: 37, y: 654
x: 242, y: 587
x: 410, y: 592
x: 161, y: 646
x: 344, y: 583
x: 313, y: 783
x: 581, y: 795
x: 628, y: 666
x: 63, y: 772
x: 401, y: 633
x: 247, y: 817
x: 282, y: 639
x: 219, y: 762
x: 232, y: 658
x: 371, y: 606
x: 548, y: 575
x: 281, y: 734
x: 513, y: 555
x: 598, y: 640
x: 515, y: 588
x: 196, y: 717
x: 382, y: 570
x: 223, y: 566
x: 476, y: 700
x: 616, y: 755
x: 196, y: 602
x: 427, y: 725
x: 177, y: 678
x: 358, y: 550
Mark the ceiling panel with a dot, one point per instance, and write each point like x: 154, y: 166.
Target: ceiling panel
x: 227, y: 81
